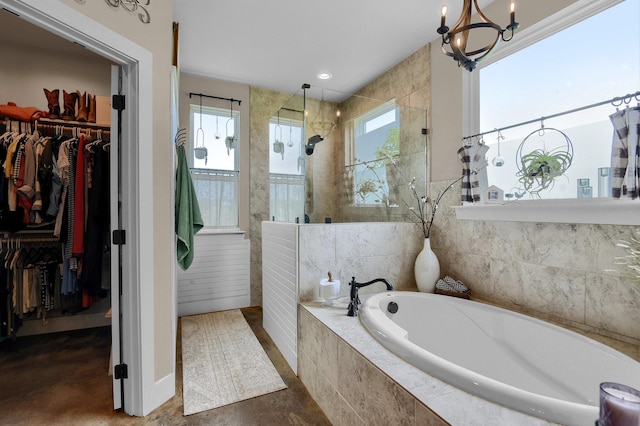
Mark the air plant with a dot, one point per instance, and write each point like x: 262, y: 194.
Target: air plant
x: 540, y: 168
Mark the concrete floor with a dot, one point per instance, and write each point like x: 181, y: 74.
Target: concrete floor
x: 61, y: 379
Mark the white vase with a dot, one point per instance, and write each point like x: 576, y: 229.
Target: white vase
x: 427, y: 268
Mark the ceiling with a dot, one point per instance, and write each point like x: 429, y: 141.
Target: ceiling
x: 281, y: 44
x: 19, y: 32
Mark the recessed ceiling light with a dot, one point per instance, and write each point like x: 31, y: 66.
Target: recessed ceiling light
x: 324, y: 75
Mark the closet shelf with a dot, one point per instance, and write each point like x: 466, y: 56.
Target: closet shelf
x: 58, y: 122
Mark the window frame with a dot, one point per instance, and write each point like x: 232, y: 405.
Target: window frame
x: 358, y: 130
x: 595, y: 210
x: 224, y: 173
x: 195, y: 108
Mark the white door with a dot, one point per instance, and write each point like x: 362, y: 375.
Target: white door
x: 116, y: 252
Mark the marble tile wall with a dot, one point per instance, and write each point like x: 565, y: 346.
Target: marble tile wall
x: 322, y: 171
x: 264, y: 104
x: 361, y: 250
x: 350, y: 389
x: 565, y: 273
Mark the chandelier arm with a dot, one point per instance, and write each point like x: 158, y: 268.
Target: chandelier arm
x: 476, y: 25
x: 462, y: 59
x: 489, y: 47
x: 512, y: 33
x: 446, y: 52
x: 465, y: 15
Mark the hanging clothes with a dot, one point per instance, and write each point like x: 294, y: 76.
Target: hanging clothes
x: 625, y: 153
x: 53, y: 182
x: 97, y: 243
x: 79, y: 201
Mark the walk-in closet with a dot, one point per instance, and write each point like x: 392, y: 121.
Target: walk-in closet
x: 55, y: 190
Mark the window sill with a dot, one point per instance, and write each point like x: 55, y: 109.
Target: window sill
x: 606, y: 211
x: 218, y: 231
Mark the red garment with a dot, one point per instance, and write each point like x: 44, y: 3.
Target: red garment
x: 78, y: 208
x: 11, y: 110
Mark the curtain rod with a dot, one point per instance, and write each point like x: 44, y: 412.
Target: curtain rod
x: 202, y: 95
x: 617, y: 101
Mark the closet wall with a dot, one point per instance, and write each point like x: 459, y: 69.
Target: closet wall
x: 34, y: 59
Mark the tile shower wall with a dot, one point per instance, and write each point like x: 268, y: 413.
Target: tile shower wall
x: 562, y: 272
x: 362, y: 250
x: 264, y: 104
x: 408, y: 82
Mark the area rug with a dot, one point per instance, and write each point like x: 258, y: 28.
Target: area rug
x: 223, y: 362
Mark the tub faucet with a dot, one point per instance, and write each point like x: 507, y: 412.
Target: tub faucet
x: 353, y: 295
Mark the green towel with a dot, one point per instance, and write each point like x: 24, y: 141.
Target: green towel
x: 188, y: 218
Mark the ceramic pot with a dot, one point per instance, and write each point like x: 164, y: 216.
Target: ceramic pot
x: 427, y: 268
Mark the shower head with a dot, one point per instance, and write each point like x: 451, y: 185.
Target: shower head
x: 311, y: 143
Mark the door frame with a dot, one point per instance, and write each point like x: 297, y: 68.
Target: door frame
x: 142, y: 391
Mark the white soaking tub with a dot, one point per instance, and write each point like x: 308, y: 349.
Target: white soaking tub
x: 511, y: 359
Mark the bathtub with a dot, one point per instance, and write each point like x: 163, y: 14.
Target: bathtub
x: 511, y: 359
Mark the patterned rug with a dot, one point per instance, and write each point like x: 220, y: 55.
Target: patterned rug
x: 223, y: 362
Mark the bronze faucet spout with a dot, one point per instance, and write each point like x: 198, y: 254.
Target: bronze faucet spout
x: 353, y: 293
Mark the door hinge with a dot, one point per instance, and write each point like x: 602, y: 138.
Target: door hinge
x: 119, y: 237
x: 120, y: 371
x: 117, y: 102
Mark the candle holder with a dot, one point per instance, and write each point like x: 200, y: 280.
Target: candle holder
x: 619, y: 405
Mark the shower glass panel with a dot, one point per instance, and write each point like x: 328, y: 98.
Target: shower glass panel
x: 287, y: 162
x: 367, y: 153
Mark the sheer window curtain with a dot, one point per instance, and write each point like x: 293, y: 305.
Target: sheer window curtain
x: 217, y: 192
x: 286, y: 197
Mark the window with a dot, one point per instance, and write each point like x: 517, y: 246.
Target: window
x: 215, y: 164
x: 286, y: 170
x: 573, y: 67
x: 376, y: 138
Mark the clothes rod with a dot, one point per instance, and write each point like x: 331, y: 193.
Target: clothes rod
x: 25, y: 239
x: 202, y: 95
x: 617, y: 101
x: 57, y: 126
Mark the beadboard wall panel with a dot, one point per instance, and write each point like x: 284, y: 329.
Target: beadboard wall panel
x: 218, y: 279
x: 280, y: 288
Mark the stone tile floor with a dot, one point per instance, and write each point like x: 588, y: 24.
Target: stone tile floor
x: 61, y: 379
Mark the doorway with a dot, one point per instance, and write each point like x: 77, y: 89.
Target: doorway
x: 134, y: 395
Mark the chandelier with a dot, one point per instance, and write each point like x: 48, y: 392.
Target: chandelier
x: 455, y: 41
